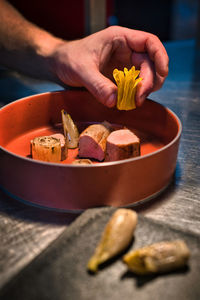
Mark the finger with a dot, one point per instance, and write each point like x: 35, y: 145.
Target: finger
x: 158, y: 82
x: 158, y: 55
x: 146, y: 86
x: 145, y: 42
x: 103, y: 89
x: 151, y: 80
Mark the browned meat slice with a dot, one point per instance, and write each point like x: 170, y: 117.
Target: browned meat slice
x: 122, y: 144
x: 63, y: 143
x: 92, y: 141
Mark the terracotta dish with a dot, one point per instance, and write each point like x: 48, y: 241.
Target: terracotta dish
x: 71, y: 187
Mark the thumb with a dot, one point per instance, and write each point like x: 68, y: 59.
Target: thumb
x: 102, y: 88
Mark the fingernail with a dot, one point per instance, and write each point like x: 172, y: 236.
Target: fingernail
x: 111, y: 100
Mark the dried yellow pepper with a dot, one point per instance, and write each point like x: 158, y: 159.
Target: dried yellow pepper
x: 158, y: 258
x: 126, y: 82
x: 116, y: 237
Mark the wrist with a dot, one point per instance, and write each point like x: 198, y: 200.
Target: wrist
x: 46, y: 47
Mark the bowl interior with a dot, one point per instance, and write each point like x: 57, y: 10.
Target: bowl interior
x: 38, y: 115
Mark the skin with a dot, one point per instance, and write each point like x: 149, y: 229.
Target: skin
x: 88, y: 62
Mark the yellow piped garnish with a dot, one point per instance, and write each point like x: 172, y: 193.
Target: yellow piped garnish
x: 126, y: 82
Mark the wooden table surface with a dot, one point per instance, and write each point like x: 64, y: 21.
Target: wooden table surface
x: 26, y: 231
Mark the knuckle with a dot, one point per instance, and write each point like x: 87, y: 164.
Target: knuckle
x: 114, y: 29
x: 154, y: 37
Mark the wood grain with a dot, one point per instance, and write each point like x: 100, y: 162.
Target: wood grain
x: 180, y: 205
x: 24, y: 232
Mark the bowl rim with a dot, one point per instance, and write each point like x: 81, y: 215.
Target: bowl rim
x: 100, y: 164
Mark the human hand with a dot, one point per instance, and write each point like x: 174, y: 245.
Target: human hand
x: 89, y: 62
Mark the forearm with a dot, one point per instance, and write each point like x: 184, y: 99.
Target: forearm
x: 88, y: 62
x: 23, y: 46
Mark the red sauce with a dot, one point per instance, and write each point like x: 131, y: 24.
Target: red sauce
x: 21, y: 144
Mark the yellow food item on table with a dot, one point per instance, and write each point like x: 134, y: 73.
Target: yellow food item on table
x: 158, y: 258
x: 127, y: 82
x: 116, y: 237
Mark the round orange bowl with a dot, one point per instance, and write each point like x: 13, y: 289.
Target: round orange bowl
x: 67, y: 187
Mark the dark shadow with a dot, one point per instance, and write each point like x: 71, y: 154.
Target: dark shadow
x: 196, y: 73
x: 19, y: 210
x: 18, y: 90
x: 145, y: 15
x: 113, y: 259
x: 15, y: 86
x: 142, y: 280
x: 163, y: 196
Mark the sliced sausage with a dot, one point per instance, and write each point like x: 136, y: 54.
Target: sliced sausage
x: 63, y: 143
